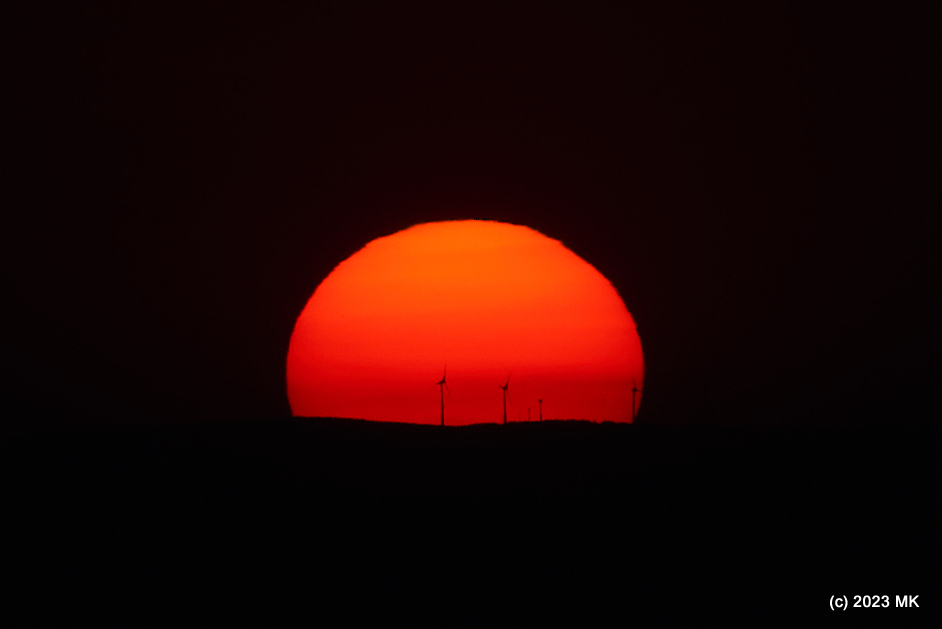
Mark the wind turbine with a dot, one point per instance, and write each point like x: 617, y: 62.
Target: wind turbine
x: 541, y: 408
x: 506, y: 396
x: 634, y: 391
x: 442, y: 385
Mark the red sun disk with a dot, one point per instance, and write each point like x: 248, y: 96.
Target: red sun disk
x: 485, y: 298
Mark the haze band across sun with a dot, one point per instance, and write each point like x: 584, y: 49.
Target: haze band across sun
x: 485, y: 298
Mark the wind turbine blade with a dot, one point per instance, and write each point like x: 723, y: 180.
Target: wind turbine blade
x: 447, y: 389
x: 508, y: 397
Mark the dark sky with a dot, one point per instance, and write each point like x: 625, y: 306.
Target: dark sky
x: 760, y: 183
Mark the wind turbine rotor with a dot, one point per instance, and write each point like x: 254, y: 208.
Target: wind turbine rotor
x: 506, y: 388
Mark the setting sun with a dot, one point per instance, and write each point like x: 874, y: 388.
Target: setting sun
x: 491, y: 301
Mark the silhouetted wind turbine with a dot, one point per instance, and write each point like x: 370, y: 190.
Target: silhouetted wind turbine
x: 541, y: 408
x: 634, y: 391
x: 442, y: 385
x: 506, y: 396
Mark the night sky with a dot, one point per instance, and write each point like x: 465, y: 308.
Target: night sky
x: 761, y: 185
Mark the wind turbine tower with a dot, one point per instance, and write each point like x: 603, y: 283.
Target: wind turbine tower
x: 506, y: 395
x: 541, y: 408
x: 634, y: 391
x: 442, y: 385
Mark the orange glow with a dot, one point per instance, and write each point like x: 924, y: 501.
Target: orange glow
x: 488, y: 299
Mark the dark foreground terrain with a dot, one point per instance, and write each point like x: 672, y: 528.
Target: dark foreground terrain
x: 352, y: 517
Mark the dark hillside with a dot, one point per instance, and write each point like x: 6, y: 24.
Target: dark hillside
x: 482, y: 517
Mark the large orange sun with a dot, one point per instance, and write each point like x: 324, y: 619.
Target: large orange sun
x: 489, y: 300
